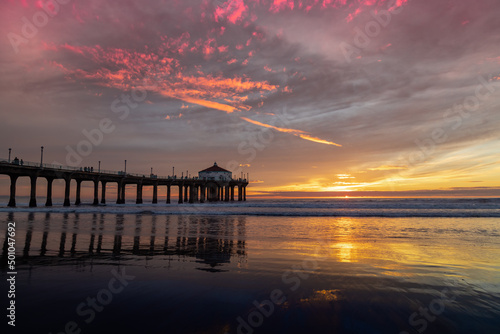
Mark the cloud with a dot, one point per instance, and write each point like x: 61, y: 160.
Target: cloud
x: 298, y: 133
x: 388, y: 167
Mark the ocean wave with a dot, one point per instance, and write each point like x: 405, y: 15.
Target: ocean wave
x: 352, y: 207
x: 264, y: 211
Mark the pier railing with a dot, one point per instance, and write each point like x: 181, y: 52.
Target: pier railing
x: 98, y: 171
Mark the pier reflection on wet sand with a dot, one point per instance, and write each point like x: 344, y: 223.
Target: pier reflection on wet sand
x: 211, y: 241
x: 256, y: 274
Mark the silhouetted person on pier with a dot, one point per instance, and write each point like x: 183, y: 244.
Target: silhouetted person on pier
x: 22, y: 162
x: 92, y: 169
x: 15, y: 161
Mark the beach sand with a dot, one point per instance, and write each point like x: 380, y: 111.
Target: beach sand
x: 147, y: 273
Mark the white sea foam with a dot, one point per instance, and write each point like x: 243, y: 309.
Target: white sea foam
x: 489, y: 207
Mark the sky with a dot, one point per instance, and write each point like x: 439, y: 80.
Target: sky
x: 309, y: 97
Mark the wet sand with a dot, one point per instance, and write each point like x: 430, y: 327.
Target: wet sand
x: 129, y: 273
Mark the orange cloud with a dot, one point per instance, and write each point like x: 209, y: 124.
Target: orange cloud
x: 126, y: 70
x: 295, y: 132
x: 388, y: 167
x: 298, y: 133
x: 223, y: 48
x: 279, y: 5
x: 232, y: 10
x: 205, y: 103
x: 318, y: 140
x: 237, y: 11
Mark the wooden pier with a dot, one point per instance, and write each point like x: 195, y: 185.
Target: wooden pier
x: 191, y: 190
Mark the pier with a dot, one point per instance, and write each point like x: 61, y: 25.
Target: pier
x: 190, y: 189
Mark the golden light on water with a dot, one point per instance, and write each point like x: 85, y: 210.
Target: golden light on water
x: 323, y: 296
x: 344, y: 251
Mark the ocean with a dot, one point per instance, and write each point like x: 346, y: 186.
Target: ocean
x: 347, y: 265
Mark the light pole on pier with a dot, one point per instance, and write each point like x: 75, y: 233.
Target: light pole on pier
x: 41, y: 157
x: 10, y: 150
x: 173, y: 171
x: 151, y: 171
x: 125, y: 167
x: 99, y: 170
